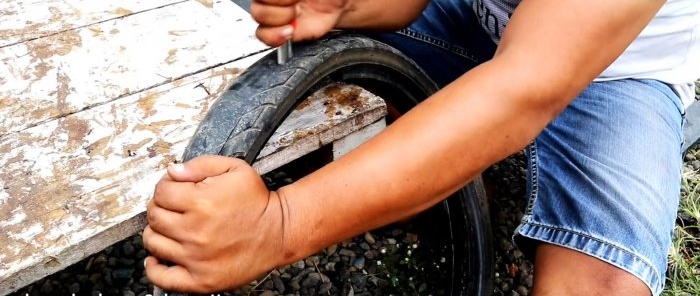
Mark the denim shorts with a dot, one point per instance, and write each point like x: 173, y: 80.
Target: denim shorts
x: 603, y: 177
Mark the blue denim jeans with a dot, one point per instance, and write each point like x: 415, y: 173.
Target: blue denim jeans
x: 603, y: 177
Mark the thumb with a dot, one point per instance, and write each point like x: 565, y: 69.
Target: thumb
x: 202, y: 167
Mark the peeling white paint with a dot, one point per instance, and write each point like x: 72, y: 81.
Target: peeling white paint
x: 27, y: 235
x: 18, y: 216
x: 4, y: 196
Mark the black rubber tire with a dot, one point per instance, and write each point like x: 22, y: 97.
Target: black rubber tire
x: 242, y: 120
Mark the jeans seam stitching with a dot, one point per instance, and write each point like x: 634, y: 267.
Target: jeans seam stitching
x: 624, y: 250
x: 439, y: 43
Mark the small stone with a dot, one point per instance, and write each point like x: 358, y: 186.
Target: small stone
x: 112, y: 261
x: 141, y: 254
x: 278, y: 283
x: 294, y: 284
x: 95, y: 278
x: 359, y: 281
x: 504, y: 286
x: 529, y: 281
x: 325, y: 288
x: 46, y: 288
x: 330, y: 266
x: 369, y: 238
x: 312, y: 261
x: 517, y: 254
x: 128, y: 293
x: 412, y: 237
x: 268, y: 285
x: 522, y: 291
x: 332, y: 249
x: 364, y: 246
x: 123, y: 273
x: 346, y: 253
x: 506, y: 246
x: 396, y: 232
x: 311, y: 281
x: 126, y: 261
x: 359, y: 262
x: 74, y: 288
x: 128, y: 249
x: 267, y: 293
x: 144, y: 281
x: 369, y: 254
x: 99, y: 260
x: 390, y: 241
x: 299, y: 264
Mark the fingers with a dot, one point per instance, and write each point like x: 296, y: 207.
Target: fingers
x: 165, y: 222
x: 202, y: 167
x: 272, y: 15
x: 172, y: 278
x: 174, y: 196
x: 162, y: 247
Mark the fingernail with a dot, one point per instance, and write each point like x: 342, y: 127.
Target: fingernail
x: 287, y: 31
x: 144, y: 263
x: 294, y: 24
x: 177, y: 167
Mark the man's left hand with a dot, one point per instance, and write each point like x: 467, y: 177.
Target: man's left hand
x: 216, y: 222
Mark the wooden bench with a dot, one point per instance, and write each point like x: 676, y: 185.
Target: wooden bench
x: 98, y: 97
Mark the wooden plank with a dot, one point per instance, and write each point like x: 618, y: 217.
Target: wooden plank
x: 73, y: 186
x: 31, y: 19
x: 328, y: 115
x: 354, y: 140
x: 48, y: 78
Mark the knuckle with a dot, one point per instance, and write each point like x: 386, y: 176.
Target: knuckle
x: 151, y: 218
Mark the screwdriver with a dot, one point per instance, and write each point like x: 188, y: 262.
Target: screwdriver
x: 284, y: 52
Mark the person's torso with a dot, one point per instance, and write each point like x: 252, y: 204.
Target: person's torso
x: 668, y: 49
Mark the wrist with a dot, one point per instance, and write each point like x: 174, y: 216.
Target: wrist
x: 285, y: 229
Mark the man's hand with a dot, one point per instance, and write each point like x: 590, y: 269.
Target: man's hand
x: 312, y: 19
x: 215, y: 220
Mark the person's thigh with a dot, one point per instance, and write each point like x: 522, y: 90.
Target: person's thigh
x: 604, y: 177
x: 445, y: 41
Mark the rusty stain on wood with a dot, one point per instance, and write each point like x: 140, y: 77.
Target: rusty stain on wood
x: 342, y: 97
x: 146, y: 103
x: 122, y: 11
x: 171, y: 56
x: 207, y: 3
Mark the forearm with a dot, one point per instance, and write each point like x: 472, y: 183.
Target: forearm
x: 380, y: 14
x: 468, y: 125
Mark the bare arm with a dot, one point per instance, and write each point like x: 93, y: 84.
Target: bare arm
x: 550, y: 51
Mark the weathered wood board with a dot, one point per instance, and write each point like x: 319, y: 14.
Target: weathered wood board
x: 93, y: 112
x: 25, y: 20
x: 47, y: 78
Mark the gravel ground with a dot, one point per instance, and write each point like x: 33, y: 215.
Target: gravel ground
x: 397, y: 260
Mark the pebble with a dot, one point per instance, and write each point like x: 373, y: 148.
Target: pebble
x: 299, y: 264
x: 522, y: 291
x: 369, y: 238
x: 332, y: 249
x: 359, y: 262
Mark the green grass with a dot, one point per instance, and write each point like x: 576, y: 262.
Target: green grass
x: 683, y: 275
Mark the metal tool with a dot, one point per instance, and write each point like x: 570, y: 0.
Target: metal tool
x: 284, y: 52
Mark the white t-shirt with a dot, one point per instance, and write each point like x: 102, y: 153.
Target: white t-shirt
x: 668, y: 49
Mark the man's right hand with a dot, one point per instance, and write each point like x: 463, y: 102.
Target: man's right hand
x: 312, y: 19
